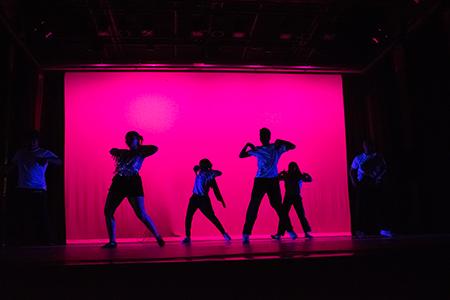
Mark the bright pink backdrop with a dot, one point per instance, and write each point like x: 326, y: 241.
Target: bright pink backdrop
x: 192, y: 115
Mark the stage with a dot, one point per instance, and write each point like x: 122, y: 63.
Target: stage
x: 148, y: 252
x: 404, y: 267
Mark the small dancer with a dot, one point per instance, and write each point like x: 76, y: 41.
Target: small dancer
x: 128, y: 183
x: 204, y: 179
x: 293, y: 181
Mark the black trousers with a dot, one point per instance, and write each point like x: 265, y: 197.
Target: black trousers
x: 271, y: 187
x: 32, y: 217
x: 204, y: 204
x: 296, y: 201
x: 369, y: 208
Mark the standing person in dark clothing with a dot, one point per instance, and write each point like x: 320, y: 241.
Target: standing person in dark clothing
x: 204, y: 179
x: 367, y: 174
x: 31, y: 194
x: 128, y: 183
x: 293, y: 181
x: 266, y: 181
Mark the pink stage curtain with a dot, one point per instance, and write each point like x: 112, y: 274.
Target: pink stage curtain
x: 192, y: 115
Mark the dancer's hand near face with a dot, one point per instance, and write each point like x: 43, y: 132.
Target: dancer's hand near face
x: 251, y: 146
x: 196, y: 169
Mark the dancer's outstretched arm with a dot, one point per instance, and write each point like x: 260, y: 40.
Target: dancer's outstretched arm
x: 54, y: 161
x: 147, y: 150
x: 51, y: 160
x: 244, y: 152
x: 116, y: 152
x: 306, y: 177
x: 289, y: 145
x: 216, y: 173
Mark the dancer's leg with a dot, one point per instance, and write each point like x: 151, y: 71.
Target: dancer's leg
x: 258, y: 192
x: 286, y: 206
x: 138, y: 206
x: 192, y: 208
x: 207, y: 209
x: 298, y: 206
x: 274, y: 194
x: 113, y: 200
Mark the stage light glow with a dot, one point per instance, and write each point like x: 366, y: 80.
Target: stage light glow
x: 163, y: 112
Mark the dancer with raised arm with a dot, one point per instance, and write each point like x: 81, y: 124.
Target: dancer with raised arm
x: 266, y: 181
x: 127, y: 183
x: 293, y: 181
x: 204, y: 179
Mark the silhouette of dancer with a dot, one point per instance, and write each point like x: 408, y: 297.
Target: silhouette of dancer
x: 204, y: 179
x: 367, y: 174
x: 32, y: 205
x: 266, y: 181
x: 293, y: 181
x: 128, y: 183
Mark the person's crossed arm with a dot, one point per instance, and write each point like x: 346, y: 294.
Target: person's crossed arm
x: 288, y: 145
x: 245, y: 152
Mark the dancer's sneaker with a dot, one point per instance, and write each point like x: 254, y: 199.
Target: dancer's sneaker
x: 276, y: 236
x: 110, y: 245
x: 308, y: 235
x: 227, y: 237
x: 245, y: 239
x: 386, y: 233
x: 186, y: 241
x: 292, y: 234
x: 160, y: 241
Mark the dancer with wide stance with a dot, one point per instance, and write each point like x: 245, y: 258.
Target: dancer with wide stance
x: 204, y: 179
x: 127, y: 183
x: 266, y: 181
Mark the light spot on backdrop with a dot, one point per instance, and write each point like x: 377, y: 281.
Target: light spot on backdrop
x: 153, y: 113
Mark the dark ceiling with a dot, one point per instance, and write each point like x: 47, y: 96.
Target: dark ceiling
x: 334, y: 34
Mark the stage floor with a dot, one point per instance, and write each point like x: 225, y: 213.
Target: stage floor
x: 148, y: 251
x: 408, y: 267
